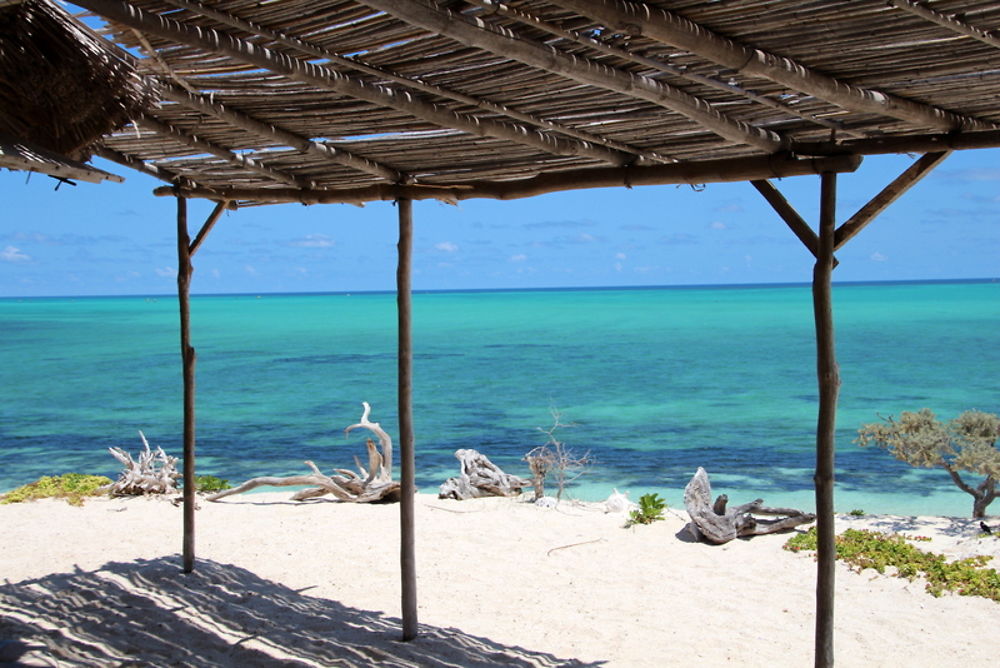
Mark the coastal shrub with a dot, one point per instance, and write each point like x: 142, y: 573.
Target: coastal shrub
x: 650, y: 509
x: 967, y: 443
x: 861, y: 549
x: 857, y: 512
x: 210, y: 483
x: 70, y: 486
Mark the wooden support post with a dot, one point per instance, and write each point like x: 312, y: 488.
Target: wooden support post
x: 184, y: 270
x: 407, y: 561
x: 829, y: 387
x: 210, y: 222
x: 795, y: 222
x: 788, y: 214
x: 909, y: 178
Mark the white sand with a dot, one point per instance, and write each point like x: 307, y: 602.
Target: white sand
x: 500, y: 582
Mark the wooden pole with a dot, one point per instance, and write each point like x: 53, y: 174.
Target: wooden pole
x: 829, y: 387
x: 407, y: 561
x: 184, y: 270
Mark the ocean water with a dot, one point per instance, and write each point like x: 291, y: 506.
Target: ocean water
x: 651, y: 382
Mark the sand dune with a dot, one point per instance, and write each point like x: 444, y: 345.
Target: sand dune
x: 500, y: 582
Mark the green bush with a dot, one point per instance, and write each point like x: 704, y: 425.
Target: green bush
x: 210, y: 483
x: 863, y: 549
x: 650, y: 509
x: 70, y: 486
x: 857, y: 512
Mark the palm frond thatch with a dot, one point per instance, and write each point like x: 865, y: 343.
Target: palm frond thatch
x: 61, y: 86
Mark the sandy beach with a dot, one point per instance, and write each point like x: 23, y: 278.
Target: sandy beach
x: 500, y: 582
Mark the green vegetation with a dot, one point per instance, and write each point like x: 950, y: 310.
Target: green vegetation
x: 650, y: 509
x: 210, y: 483
x: 70, y: 486
x: 857, y: 512
x: 863, y: 549
x: 967, y: 443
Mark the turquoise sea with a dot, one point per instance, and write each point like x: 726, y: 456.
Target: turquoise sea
x: 654, y: 382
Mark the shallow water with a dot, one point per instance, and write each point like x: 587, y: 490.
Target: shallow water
x: 655, y: 382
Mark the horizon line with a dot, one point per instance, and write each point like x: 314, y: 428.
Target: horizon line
x: 582, y: 288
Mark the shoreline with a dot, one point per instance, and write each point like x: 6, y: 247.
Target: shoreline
x: 500, y: 582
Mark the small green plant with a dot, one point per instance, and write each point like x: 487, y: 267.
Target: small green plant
x: 862, y: 549
x: 210, y: 483
x: 857, y: 512
x: 70, y: 486
x: 650, y: 509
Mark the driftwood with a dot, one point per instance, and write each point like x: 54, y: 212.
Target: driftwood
x: 368, y: 485
x: 714, y: 523
x: 480, y: 477
x: 154, y: 472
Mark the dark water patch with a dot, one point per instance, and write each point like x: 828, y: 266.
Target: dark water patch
x: 333, y: 359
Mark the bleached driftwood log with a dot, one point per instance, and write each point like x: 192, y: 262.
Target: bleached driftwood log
x: 368, y: 485
x: 479, y: 477
x: 713, y: 523
x: 154, y: 473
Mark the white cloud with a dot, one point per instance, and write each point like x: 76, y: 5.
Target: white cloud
x: 13, y: 254
x: 586, y: 237
x: 446, y: 246
x: 250, y: 269
x: 520, y: 257
x: 620, y: 256
x: 618, y: 266
x: 878, y: 257
x: 165, y: 272
x: 216, y: 273
x: 717, y: 225
x: 314, y: 241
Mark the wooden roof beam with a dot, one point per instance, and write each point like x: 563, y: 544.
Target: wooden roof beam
x: 493, y: 6
x: 221, y: 152
x: 698, y: 172
x: 928, y: 143
x: 675, y: 30
x: 327, y: 79
x: 359, y: 65
x: 480, y: 35
x: 949, y: 22
x: 297, y: 141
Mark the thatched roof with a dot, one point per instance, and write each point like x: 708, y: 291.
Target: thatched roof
x: 61, y: 87
x: 338, y: 100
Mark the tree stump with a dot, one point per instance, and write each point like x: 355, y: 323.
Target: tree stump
x: 366, y: 486
x: 480, y: 477
x: 713, y: 523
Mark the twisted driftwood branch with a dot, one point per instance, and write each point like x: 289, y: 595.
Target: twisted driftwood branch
x: 479, y: 477
x: 373, y: 484
x: 154, y: 473
x: 713, y: 523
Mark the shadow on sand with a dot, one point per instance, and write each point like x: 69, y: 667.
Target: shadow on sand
x: 956, y: 527
x: 148, y: 613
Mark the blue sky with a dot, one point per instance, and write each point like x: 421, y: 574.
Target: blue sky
x: 113, y: 239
